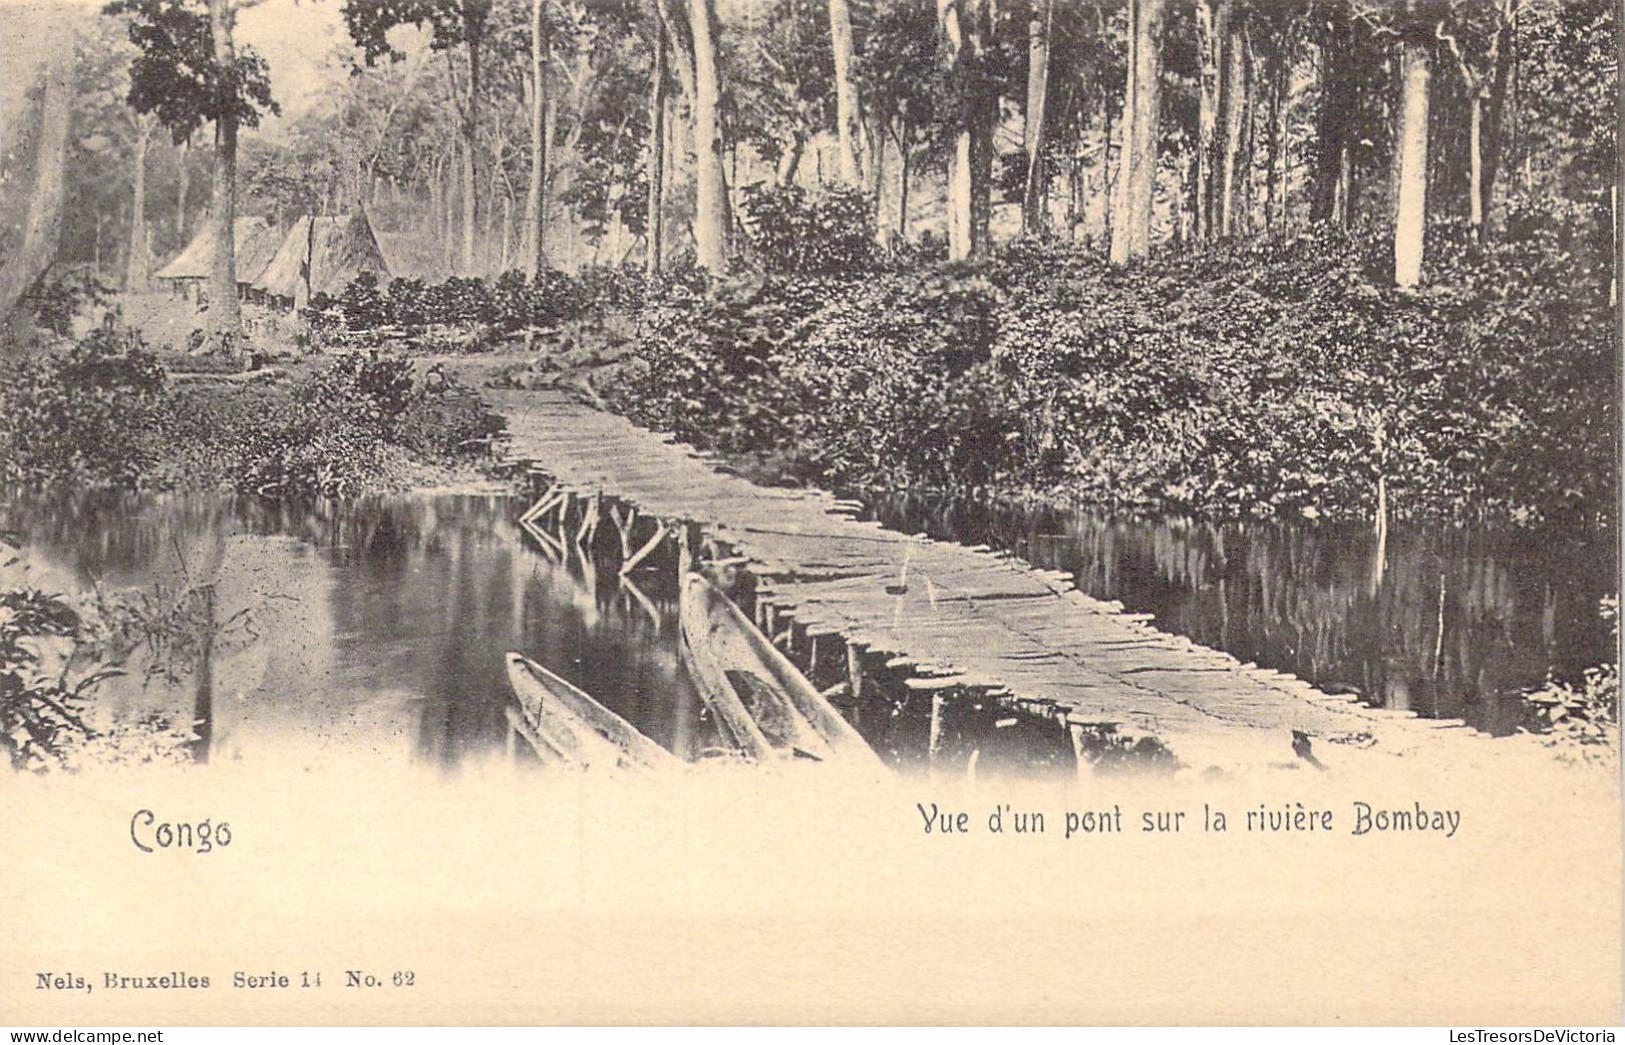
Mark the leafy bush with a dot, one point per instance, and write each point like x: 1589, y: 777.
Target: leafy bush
x: 85, y: 417
x: 1587, y: 714
x: 1257, y: 378
x: 64, y: 295
x: 103, y: 415
x: 41, y: 707
x: 822, y: 233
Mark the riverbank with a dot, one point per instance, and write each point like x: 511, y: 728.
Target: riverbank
x: 1281, y: 379
x: 107, y: 412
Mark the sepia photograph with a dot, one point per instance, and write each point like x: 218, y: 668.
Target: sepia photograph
x: 542, y: 512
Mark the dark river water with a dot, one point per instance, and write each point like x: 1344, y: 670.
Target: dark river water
x: 377, y: 628
x: 1452, y: 624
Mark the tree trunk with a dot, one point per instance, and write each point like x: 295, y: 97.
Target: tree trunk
x: 1475, y: 162
x: 225, y: 317
x: 1410, y: 221
x: 507, y: 232
x: 1246, y: 196
x: 784, y: 172
x: 22, y: 269
x: 183, y: 186
x: 710, y: 183
x: 1495, y: 116
x: 135, y: 268
x: 1108, y: 182
x: 1280, y: 84
x: 465, y: 260
x: 654, y: 217
x: 959, y: 164
x: 846, y: 101
x: 875, y: 148
x: 534, y: 232
x: 1232, y: 104
x: 473, y: 33
x: 971, y: 166
x: 1207, y: 105
x: 1336, y: 114
x: 983, y: 118
x: 903, y: 151
x: 1137, y: 173
x: 1033, y: 216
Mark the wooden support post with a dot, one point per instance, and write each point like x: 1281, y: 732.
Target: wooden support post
x: 543, y: 504
x: 623, y: 525
x: 854, y: 679
x: 589, y: 521
x: 1076, y: 732
x: 641, y: 599
x: 812, y: 654
x: 549, y: 547
x: 643, y: 553
x: 936, y: 727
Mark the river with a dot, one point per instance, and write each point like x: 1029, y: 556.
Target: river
x: 376, y: 628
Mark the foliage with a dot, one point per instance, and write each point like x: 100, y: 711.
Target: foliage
x: 476, y: 315
x: 103, y: 415
x: 80, y: 418
x: 814, y: 234
x: 64, y: 295
x: 1587, y: 715
x: 1250, y: 378
x: 41, y: 707
x: 176, y: 75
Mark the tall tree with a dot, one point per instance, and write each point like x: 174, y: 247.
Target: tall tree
x: 846, y: 101
x: 904, y: 91
x: 710, y: 180
x: 534, y: 230
x: 1480, y: 39
x: 966, y: 27
x: 455, y: 24
x: 654, y: 220
x: 1410, y: 221
x: 23, y: 267
x: 1142, y: 103
x: 225, y: 314
x: 1233, y: 110
x: 188, y: 71
x: 136, y: 275
x: 1040, y: 16
x: 1336, y: 121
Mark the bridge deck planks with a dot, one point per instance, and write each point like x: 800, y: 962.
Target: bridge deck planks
x: 983, y: 617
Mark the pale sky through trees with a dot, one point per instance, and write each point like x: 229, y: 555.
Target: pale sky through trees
x: 294, y: 36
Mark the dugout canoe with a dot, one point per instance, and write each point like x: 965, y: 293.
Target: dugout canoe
x: 761, y: 701
x: 567, y: 726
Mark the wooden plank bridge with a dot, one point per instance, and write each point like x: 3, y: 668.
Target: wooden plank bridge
x: 970, y: 618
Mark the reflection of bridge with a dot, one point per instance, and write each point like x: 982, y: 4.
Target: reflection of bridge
x: 962, y: 620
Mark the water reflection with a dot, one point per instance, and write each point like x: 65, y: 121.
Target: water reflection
x: 371, y: 628
x: 1447, y: 623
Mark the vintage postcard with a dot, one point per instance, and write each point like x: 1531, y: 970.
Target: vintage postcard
x: 809, y: 511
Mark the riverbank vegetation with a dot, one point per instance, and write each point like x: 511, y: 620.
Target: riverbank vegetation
x: 1281, y: 378
x: 106, y: 412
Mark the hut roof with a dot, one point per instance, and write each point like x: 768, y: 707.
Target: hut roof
x: 254, y: 239
x: 337, y: 249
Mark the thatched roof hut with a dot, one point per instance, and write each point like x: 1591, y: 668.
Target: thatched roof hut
x: 254, y: 238
x: 321, y: 256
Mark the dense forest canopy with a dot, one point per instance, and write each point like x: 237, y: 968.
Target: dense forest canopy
x: 499, y: 134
